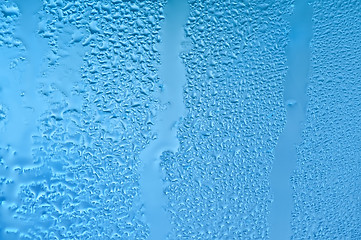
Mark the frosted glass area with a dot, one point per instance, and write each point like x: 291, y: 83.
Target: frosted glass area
x: 180, y: 119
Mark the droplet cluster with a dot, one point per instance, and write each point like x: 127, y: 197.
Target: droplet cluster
x: 326, y: 182
x: 86, y: 102
x: 9, y: 18
x: 84, y: 180
x: 217, y: 182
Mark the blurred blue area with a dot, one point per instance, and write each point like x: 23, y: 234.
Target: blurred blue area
x: 295, y: 102
x: 180, y: 119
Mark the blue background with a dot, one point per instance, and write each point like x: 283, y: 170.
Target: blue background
x: 198, y: 119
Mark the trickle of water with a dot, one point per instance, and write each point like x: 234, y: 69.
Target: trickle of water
x: 295, y: 102
x: 172, y: 74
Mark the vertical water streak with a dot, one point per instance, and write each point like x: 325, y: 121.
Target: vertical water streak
x: 20, y: 95
x: 172, y: 74
x: 19, y: 78
x: 298, y: 55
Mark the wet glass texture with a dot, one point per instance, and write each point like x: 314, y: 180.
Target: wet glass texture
x: 180, y: 119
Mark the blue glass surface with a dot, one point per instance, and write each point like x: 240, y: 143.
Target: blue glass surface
x: 180, y: 119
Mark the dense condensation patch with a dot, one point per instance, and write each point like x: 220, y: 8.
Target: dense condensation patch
x: 9, y: 18
x: 93, y: 78
x: 235, y: 66
x: 326, y: 182
x: 159, y: 119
